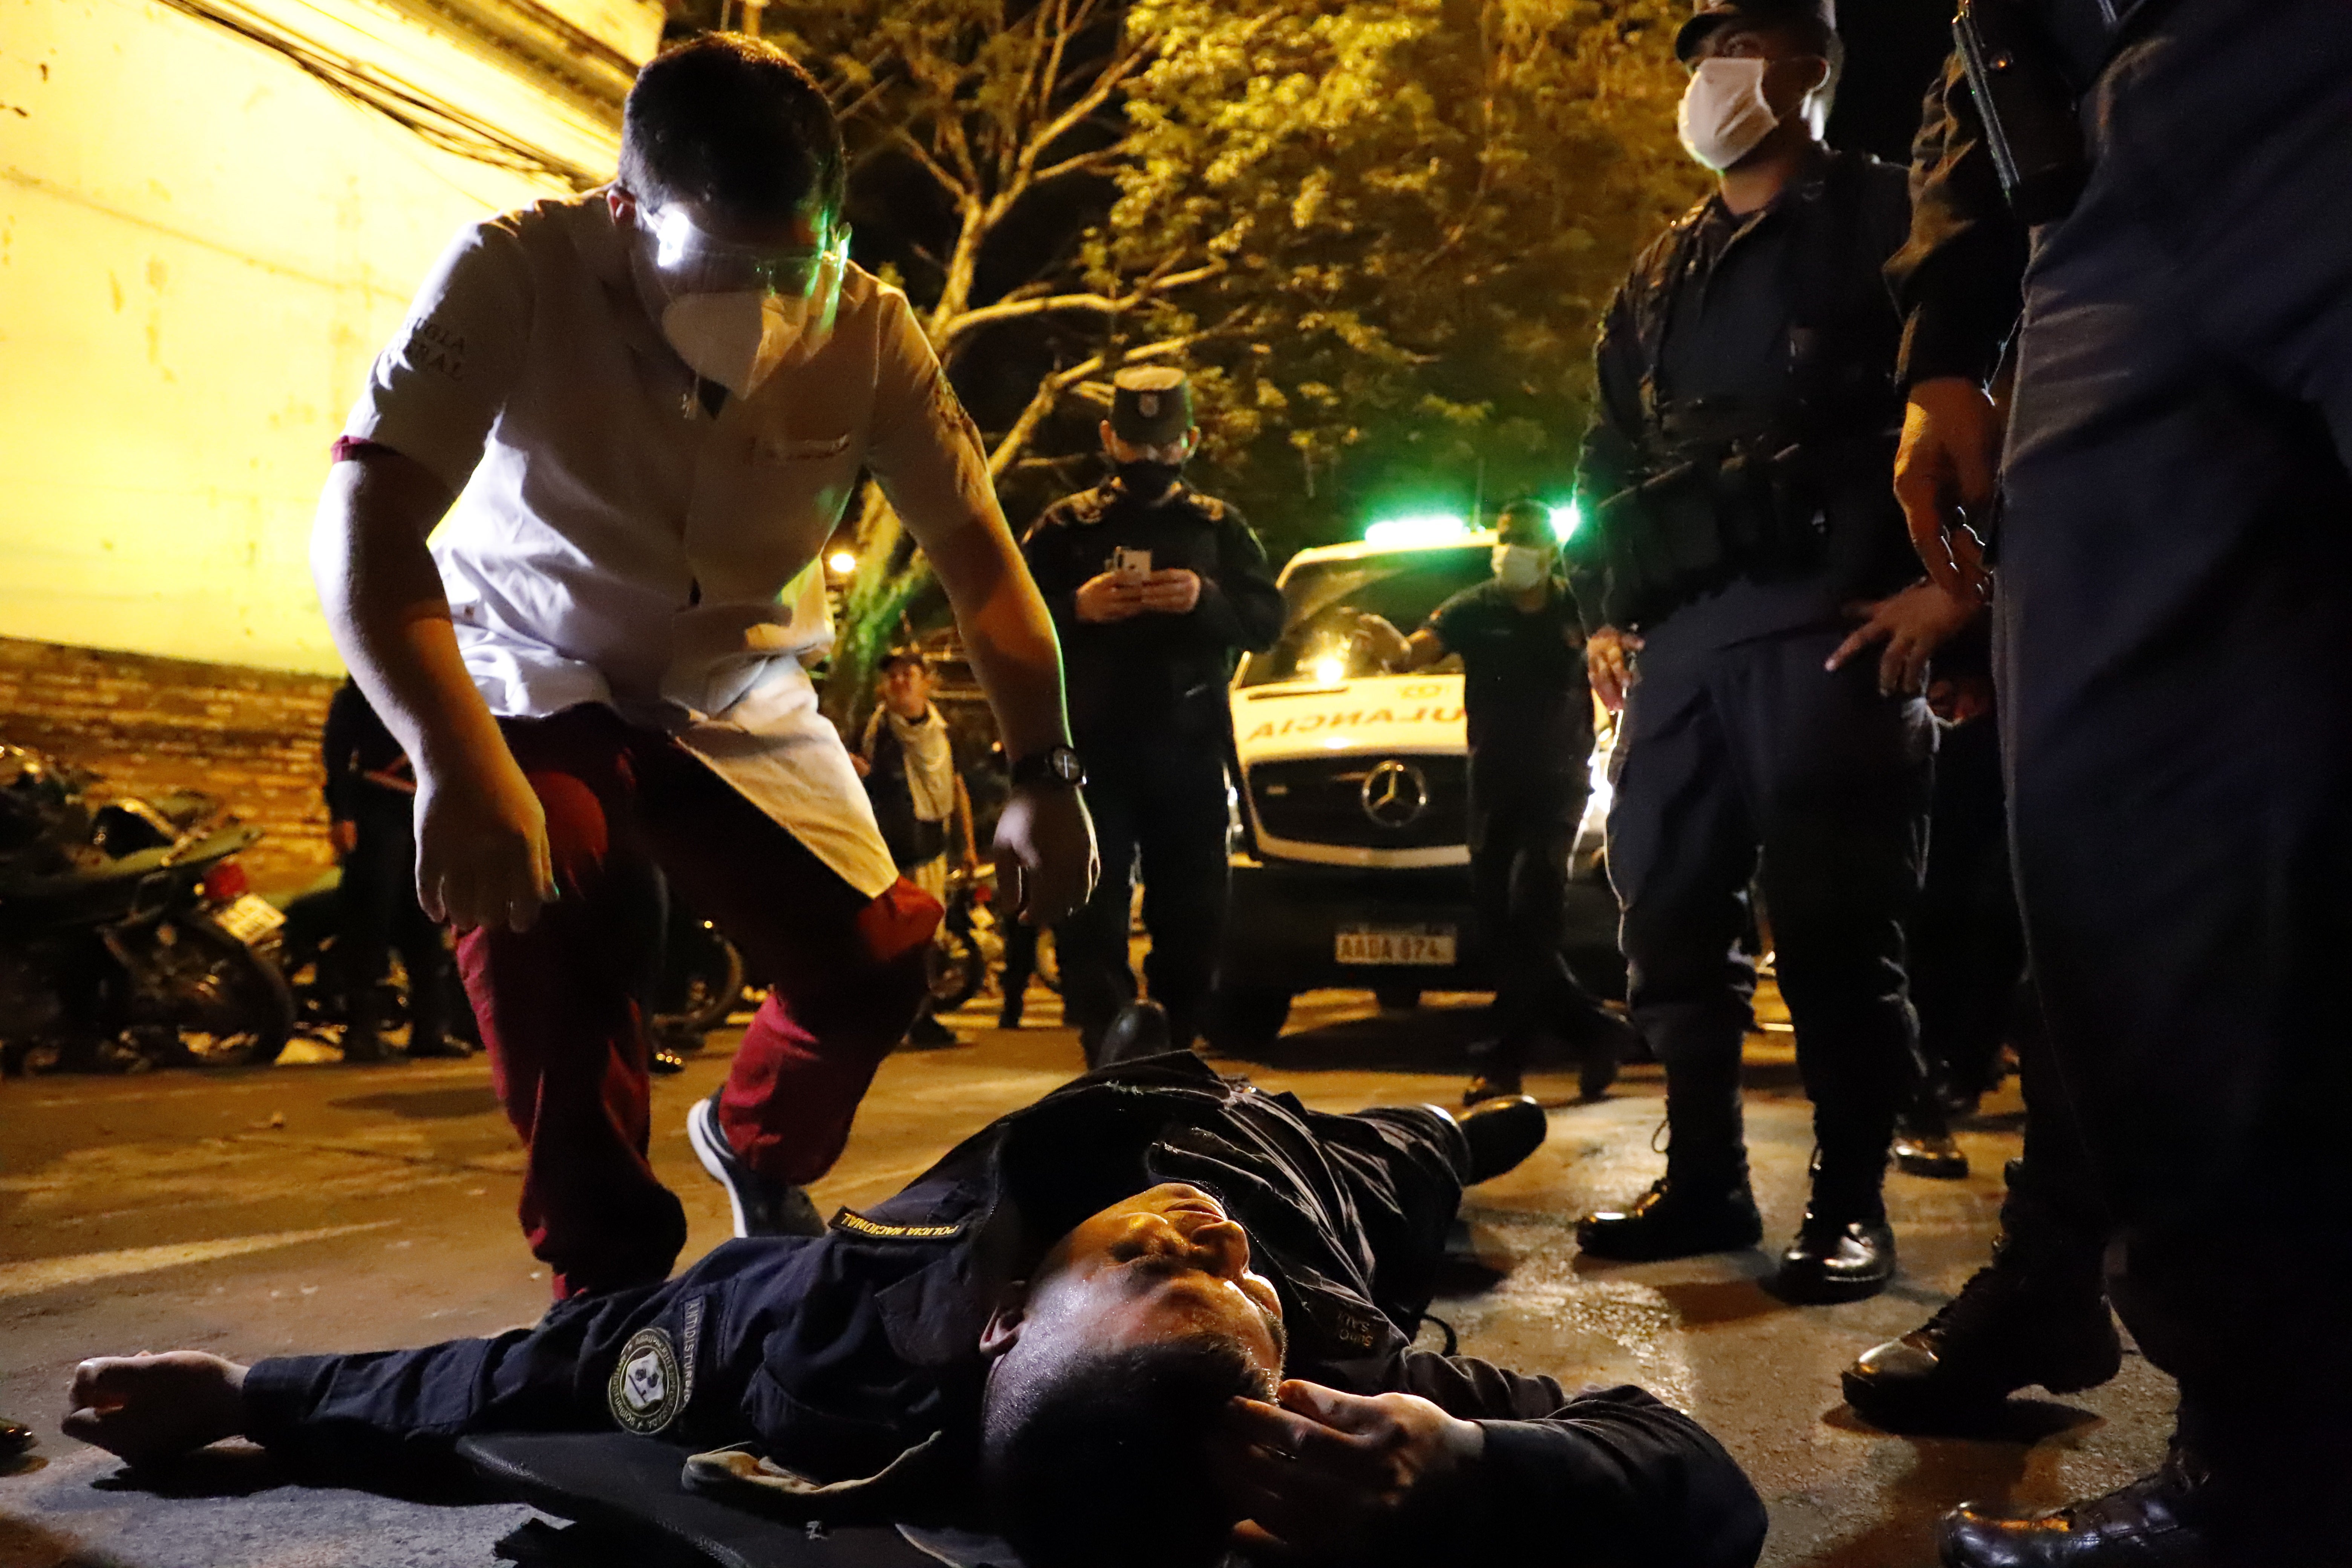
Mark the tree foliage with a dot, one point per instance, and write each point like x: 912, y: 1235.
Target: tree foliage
x: 1422, y: 207
x: 1380, y: 232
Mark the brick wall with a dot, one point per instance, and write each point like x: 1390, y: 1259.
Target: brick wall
x: 147, y: 724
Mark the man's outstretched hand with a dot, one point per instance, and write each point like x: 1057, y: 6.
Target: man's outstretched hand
x: 1324, y: 1475
x: 148, y: 1408
x: 1945, y: 473
x: 1913, y: 624
x: 1045, y: 860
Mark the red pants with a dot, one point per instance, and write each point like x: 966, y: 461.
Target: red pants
x: 562, y: 1009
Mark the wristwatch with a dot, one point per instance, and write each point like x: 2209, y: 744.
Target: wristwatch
x: 1054, y: 765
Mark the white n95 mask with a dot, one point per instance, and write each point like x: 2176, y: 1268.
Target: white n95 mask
x: 737, y: 312
x: 736, y: 339
x: 1519, y: 568
x: 1724, y: 112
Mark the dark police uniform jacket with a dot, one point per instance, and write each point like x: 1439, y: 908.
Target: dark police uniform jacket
x: 1958, y: 279
x: 852, y: 1357
x: 1152, y: 673
x: 1780, y: 324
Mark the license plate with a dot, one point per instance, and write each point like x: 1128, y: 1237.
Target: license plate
x: 1396, y: 944
x: 249, y: 919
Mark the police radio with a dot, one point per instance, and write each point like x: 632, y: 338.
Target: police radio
x: 2028, y: 107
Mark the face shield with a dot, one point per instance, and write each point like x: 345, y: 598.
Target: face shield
x: 735, y: 312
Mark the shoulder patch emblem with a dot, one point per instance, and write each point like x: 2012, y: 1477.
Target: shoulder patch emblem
x: 648, y: 1390
x: 850, y: 1222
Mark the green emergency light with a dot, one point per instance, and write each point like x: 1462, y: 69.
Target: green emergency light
x: 1420, y: 528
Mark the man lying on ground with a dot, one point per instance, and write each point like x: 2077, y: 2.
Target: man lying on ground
x: 1154, y: 1313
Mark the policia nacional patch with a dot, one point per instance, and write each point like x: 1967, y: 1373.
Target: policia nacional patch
x: 650, y: 1385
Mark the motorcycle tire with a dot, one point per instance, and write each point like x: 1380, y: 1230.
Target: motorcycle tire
x: 703, y: 991
x: 954, y: 969
x: 228, y: 1006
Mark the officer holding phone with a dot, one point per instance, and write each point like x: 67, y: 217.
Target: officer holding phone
x: 1154, y: 588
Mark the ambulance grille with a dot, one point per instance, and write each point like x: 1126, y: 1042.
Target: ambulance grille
x: 1363, y: 801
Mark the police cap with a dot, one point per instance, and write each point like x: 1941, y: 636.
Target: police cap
x: 1150, y: 406
x: 1815, y: 17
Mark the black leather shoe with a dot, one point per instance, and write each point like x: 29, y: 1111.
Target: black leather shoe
x: 1670, y: 1221
x: 761, y: 1206
x: 1834, y: 1261
x: 15, y: 1436
x: 1924, y: 1152
x: 1138, y: 1030
x: 441, y: 1049
x: 928, y: 1034
x: 1502, y: 1133
x: 2151, y: 1524
x: 1602, y: 1040
x: 2005, y: 1330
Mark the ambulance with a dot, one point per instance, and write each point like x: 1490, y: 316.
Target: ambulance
x: 1350, y: 867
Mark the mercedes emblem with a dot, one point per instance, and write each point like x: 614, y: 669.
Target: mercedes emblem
x: 1395, y: 793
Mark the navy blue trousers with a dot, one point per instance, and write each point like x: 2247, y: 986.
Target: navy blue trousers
x: 2175, y: 657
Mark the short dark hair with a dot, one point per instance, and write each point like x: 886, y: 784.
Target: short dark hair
x: 898, y: 656
x: 1068, y: 1452
x: 729, y: 121
x: 1524, y: 506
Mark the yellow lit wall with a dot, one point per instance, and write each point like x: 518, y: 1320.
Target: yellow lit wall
x: 202, y: 247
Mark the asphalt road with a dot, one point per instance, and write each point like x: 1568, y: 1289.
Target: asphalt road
x: 313, y: 1206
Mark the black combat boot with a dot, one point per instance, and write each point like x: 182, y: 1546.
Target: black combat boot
x: 2157, y: 1521
x: 1844, y: 1250
x: 1679, y: 1217
x: 1924, y: 1144
x: 2036, y: 1314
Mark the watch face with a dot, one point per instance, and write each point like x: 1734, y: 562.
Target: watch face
x: 1066, y: 765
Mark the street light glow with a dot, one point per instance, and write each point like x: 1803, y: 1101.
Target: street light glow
x: 841, y: 562
x: 1564, y: 520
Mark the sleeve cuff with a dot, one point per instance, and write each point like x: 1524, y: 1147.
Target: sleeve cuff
x: 1935, y: 345
x: 279, y: 1394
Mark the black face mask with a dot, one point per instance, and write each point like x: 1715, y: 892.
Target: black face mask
x: 1147, y: 482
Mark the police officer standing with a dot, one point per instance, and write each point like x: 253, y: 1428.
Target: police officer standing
x: 2174, y: 659
x: 371, y: 802
x: 1529, y: 724
x: 1154, y: 588
x: 1737, y: 472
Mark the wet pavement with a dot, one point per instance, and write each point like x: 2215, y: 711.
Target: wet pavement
x: 313, y: 1206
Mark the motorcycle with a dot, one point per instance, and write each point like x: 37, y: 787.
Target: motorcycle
x: 700, y: 984
x: 968, y: 949
x: 304, y: 952
x: 128, y: 932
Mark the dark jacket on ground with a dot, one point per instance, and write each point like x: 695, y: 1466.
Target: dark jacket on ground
x: 846, y: 1354
x: 1773, y: 329
x: 1154, y: 671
